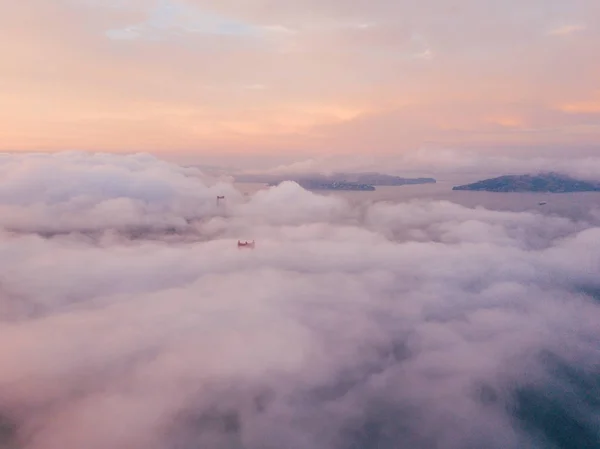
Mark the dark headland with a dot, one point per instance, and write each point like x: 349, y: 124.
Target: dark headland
x: 338, y: 181
x: 543, y: 182
x: 315, y: 184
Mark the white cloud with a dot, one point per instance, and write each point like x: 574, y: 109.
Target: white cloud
x: 421, y: 324
x: 73, y: 191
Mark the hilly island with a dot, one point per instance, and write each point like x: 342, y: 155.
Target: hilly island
x: 543, y: 182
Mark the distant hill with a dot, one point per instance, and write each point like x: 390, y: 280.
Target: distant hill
x: 380, y: 179
x: 543, y: 182
x: 371, y: 179
x: 313, y: 184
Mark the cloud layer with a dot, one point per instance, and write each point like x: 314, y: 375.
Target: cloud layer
x: 388, y: 325
x: 75, y: 191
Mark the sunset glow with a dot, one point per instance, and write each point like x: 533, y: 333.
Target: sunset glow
x: 258, y: 77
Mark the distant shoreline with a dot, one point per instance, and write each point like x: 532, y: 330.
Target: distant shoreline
x: 541, y: 183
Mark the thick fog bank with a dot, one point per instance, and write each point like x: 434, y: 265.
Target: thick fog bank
x: 129, y: 319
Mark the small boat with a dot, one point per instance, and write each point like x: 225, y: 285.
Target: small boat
x: 249, y: 245
x: 542, y: 203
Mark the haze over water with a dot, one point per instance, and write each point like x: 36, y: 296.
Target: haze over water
x: 578, y: 205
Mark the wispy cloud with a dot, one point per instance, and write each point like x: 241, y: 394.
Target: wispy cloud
x: 590, y: 104
x: 255, y: 87
x: 169, y: 19
x: 566, y: 30
x: 426, y: 54
x: 278, y: 29
x: 128, y: 33
x: 105, y: 61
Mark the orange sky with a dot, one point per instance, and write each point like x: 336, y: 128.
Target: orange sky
x: 300, y: 77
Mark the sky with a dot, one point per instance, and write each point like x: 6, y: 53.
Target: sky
x: 129, y: 318
x: 197, y: 80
